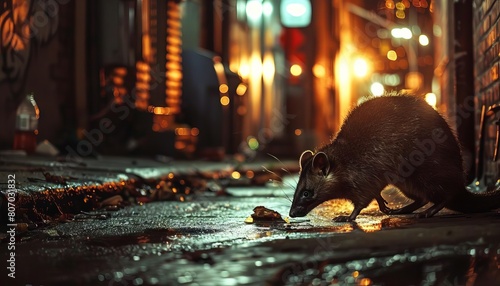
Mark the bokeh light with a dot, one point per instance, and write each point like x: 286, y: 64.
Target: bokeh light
x: 392, y: 55
x: 377, y: 89
x: 224, y: 100
x: 296, y: 70
x: 360, y: 67
x: 431, y: 99
x: 423, y: 40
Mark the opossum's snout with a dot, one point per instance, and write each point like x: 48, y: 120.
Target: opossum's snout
x: 298, y: 212
x: 303, y: 202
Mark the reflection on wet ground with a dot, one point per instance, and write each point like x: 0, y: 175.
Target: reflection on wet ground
x: 207, y: 242
x: 443, y: 265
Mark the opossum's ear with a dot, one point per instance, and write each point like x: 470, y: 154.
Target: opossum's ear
x: 303, y: 158
x: 321, y: 163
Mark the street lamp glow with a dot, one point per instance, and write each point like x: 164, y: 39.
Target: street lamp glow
x: 377, y: 89
x: 254, y: 9
x: 360, y: 67
x: 423, y: 40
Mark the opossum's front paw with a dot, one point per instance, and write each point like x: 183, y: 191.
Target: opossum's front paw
x: 342, y: 218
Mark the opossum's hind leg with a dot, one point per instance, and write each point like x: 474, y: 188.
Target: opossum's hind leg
x: 412, y: 191
x: 351, y: 217
x: 408, y: 209
x: 431, y: 211
x: 382, y: 205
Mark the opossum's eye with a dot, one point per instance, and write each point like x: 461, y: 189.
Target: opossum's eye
x: 306, y: 194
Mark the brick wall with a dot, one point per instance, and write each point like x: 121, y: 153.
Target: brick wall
x: 486, y: 25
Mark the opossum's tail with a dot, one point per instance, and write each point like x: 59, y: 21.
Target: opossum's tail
x: 468, y: 202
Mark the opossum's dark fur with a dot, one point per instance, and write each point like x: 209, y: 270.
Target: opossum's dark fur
x: 398, y: 140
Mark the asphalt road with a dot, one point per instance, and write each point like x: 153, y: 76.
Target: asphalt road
x: 206, y: 241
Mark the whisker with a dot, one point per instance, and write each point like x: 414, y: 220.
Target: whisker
x: 281, y: 178
x: 271, y: 172
x: 284, y: 168
x: 286, y: 171
x: 281, y: 188
x: 277, y: 159
x: 289, y: 185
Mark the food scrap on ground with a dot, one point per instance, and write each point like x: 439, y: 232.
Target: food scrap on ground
x: 261, y: 213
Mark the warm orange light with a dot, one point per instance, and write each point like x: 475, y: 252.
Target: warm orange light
x: 431, y: 99
x: 161, y: 110
x: 236, y: 175
x: 250, y: 174
x: 298, y: 132
x: 241, y: 89
x: 242, y: 110
x: 400, y: 14
x: 319, y: 71
x: 174, y: 75
x: 268, y: 69
x: 389, y: 4
x: 164, y: 124
x: 179, y: 145
x: 360, y: 67
x: 223, y: 88
x: 296, y: 70
x: 224, y: 100
x: 365, y: 282
x: 244, y: 70
x: 392, y: 55
x: 156, y: 127
x: 182, y: 131
x: 142, y: 67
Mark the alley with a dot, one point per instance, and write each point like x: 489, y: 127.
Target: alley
x: 205, y: 241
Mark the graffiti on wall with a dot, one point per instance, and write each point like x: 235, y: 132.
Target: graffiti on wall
x: 25, y: 26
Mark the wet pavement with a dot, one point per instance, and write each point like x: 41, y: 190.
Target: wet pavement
x: 157, y: 230
x: 206, y: 241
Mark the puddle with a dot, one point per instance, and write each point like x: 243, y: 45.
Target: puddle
x: 148, y: 236
x: 443, y: 265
